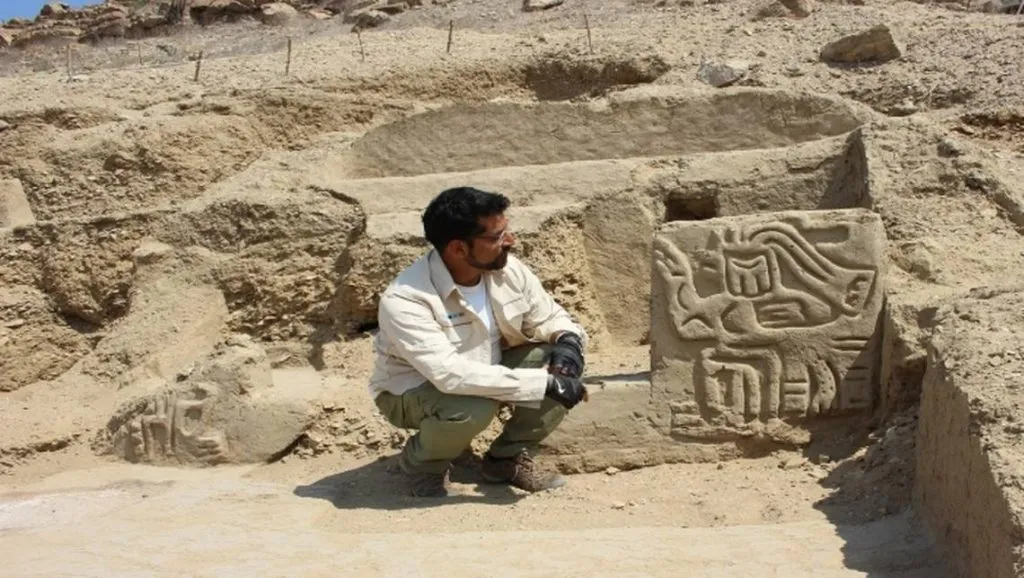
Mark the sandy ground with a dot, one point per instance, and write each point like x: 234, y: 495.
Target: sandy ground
x: 312, y: 519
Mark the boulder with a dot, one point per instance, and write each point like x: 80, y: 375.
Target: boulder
x: 875, y: 44
x: 278, y: 13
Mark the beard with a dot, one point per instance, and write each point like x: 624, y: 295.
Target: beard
x: 497, y: 263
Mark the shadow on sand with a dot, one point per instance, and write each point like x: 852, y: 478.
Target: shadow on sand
x: 380, y: 485
x: 871, y: 505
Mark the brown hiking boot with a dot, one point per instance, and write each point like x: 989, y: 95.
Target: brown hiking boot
x: 424, y: 484
x: 520, y: 471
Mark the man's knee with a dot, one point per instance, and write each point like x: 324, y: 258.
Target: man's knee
x: 468, y: 413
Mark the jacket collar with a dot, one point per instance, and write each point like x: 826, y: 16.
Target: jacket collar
x: 439, y: 275
x: 442, y: 279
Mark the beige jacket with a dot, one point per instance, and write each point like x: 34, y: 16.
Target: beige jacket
x: 428, y: 332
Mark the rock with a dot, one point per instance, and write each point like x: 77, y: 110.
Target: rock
x: 619, y: 506
x: 392, y: 8
x: 793, y: 463
x: 686, y: 312
x: 227, y: 411
x: 54, y: 9
x: 4, y: 125
x: 6, y: 37
x: 278, y: 13
x: 947, y: 148
x: 15, y: 209
x: 37, y: 343
x: 1001, y: 6
x: 799, y: 8
x: 875, y: 44
x: 363, y: 19
x: 917, y: 258
x: 319, y: 14
x: 535, y: 5
x: 722, y: 74
x: 109, y: 21
x: 612, y: 470
x: 209, y: 11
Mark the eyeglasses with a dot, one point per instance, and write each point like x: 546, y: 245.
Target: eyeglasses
x: 499, y: 237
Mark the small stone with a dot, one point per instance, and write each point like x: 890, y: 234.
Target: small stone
x: 950, y: 148
x: 278, y: 13
x: 722, y: 74
x: 535, y: 5
x: 619, y: 506
x: 14, y: 324
x: 824, y: 458
x: 799, y: 8
x: 612, y: 470
x: 4, y: 125
x: 793, y: 463
x: 720, y: 466
x: 875, y: 44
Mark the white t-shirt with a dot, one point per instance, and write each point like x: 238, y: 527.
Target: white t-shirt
x: 477, y: 298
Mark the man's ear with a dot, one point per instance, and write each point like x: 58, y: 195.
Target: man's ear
x: 456, y: 249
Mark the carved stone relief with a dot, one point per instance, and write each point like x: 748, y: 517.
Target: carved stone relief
x: 766, y: 317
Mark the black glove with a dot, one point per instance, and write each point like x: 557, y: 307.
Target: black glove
x: 566, y: 356
x: 566, y: 390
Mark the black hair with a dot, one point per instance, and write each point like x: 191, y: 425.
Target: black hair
x: 454, y: 215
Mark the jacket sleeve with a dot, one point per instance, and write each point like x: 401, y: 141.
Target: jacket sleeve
x: 418, y: 338
x: 545, y: 318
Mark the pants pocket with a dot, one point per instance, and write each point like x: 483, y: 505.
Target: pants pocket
x: 391, y: 407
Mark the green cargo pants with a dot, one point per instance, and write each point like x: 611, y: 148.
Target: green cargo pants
x: 448, y: 423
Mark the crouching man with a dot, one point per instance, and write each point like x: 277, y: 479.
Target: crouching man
x: 463, y: 329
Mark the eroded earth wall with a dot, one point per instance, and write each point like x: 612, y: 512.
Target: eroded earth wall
x: 970, y: 455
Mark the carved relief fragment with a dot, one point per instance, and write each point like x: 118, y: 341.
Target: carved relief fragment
x: 765, y: 317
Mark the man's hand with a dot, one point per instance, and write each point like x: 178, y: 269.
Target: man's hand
x: 566, y: 390
x: 566, y: 356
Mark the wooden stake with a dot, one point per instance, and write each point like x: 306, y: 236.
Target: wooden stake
x: 69, y: 61
x: 590, y: 43
x: 451, y: 29
x: 1020, y: 8
x: 199, y: 64
x: 359, y: 35
x: 138, y: 48
x: 288, y: 65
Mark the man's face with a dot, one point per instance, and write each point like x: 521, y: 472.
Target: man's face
x: 489, y: 250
